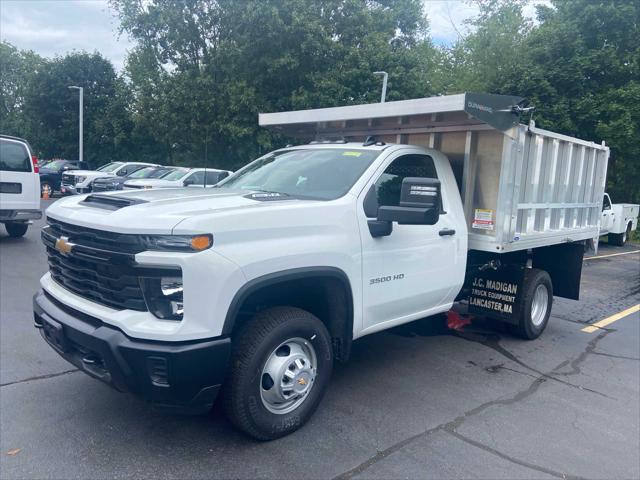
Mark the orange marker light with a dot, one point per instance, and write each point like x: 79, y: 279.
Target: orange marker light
x: 201, y: 242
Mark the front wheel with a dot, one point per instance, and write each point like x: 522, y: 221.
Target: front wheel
x: 535, y: 307
x: 16, y: 229
x: 280, y: 369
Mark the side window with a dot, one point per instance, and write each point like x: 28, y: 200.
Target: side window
x: 196, y: 179
x: 606, y: 204
x: 389, y: 184
x: 14, y: 157
x: 214, y: 177
x: 134, y: 168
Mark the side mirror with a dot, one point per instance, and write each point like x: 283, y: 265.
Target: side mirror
x: 188, y: 181
x: 420, y: 200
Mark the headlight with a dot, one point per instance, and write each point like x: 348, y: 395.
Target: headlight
x: 163, y: 296
x: 80, y: 179
x: 177, y: 243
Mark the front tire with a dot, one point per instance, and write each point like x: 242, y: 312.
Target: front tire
x: 535, y: 307
x: 15, y: 229
x: 280, y: 369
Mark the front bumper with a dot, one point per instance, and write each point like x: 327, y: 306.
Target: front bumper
x: 19, y: 215
x: 74, y: 189
x: 183, y: 377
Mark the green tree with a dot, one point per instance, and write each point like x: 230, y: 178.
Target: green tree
x: 480, y: 61
x: 16, y: 68
x: 214, y: 65
x: 50, y: 109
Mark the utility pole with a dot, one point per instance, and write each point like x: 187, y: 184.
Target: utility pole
x: 385, y: 75
x: 80, y: 121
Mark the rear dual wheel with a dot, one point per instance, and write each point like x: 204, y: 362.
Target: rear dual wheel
x: 280, y: 369
x: 535, y: 307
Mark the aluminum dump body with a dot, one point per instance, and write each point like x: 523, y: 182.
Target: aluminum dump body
x: 522, y: 187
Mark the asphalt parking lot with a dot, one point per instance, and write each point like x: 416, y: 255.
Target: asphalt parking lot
x: 418, y: 401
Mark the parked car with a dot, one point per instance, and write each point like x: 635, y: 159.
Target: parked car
x: 181, y: 177
x: 618, y: 220
x: 19, y: 185
x: 117, y: 183
x: 51, y: 174
x: 258, y: 285
x: 80, y: 181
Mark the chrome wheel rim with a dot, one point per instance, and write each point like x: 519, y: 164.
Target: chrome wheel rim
x: 624, y: 237
x: 539, y: 305
x: 288, y: 376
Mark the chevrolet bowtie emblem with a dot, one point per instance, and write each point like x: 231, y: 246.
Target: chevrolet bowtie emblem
x: 64, y: 246
x: 302, y: 381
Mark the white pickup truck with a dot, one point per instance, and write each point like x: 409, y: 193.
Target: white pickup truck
x: 81, y: 181
x: 618, y: 220
x: 258, y: 285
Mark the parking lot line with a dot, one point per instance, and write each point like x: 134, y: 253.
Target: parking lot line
x: 611, y: 255
x: 609, y: 320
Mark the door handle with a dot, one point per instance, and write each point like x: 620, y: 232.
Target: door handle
x: 446, y: 231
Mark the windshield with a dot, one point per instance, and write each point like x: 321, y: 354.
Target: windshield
x: 109, y: 167
x: 176, y: 175
x: 324, y: 174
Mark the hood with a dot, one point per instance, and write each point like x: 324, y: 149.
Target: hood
x: 110, y: 179
x: 154, y: 211
x: 89, y: 173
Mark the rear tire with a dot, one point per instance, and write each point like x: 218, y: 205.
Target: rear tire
x: 535, y: 307
x: 15, y: 229
x: 621, y: 238
x: 273, y: 386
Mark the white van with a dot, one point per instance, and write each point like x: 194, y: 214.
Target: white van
x: 19, y: 185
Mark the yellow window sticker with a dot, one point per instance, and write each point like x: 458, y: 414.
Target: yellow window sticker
x: 351, y: 154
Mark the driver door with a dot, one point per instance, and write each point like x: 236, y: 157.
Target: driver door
x: 607, y: 215
x: 417, y: 269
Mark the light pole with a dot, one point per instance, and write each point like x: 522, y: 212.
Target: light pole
x: 385, y: 75
x: 80, y: 122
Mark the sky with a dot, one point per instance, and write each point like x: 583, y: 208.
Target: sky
x: 55, y: 27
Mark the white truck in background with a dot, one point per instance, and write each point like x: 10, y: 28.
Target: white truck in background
x: 258, y: 285
x: 76, y: 182
x: 618, y: 220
